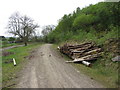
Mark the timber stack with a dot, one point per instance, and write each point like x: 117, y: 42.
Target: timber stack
x: 81, y: 52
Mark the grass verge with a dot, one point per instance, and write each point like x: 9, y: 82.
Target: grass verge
x: 8, y: 45
x: 9, y: 71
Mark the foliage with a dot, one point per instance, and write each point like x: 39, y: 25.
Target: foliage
x: 83, y: 21
x: 46, y: 30
x: 12, y: 39
x: 3, y: 38
x: 98, y: 18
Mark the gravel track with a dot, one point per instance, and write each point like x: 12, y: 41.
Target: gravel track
x: 47, y: 69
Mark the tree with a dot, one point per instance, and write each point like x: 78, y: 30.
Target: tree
x: 11, y: 39
x: 46, y: 30
x: 78, y: 10
x: 3, y: 38
x: 83, y: 21
x: 21, y: 26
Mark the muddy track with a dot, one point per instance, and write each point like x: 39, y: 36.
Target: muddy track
x: 47, y: 69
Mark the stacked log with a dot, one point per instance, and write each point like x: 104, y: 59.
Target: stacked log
x: 81, y: 52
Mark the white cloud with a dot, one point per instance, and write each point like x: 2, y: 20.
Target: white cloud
x: 44, y: 12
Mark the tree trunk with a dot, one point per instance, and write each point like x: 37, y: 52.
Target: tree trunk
x: 25, y: 43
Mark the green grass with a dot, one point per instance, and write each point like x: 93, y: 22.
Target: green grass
x: 0, y: 70
x: 8, y: 69
x: 107, y: 77
x: 8, y: 45
x: 4, y: 44
x: 99, y: 38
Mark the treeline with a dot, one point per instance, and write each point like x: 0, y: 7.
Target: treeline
x: 99, y: 21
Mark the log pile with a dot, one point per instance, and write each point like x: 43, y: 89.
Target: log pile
x: 81, y: 52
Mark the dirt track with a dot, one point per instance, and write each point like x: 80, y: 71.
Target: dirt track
x: 47, y: 69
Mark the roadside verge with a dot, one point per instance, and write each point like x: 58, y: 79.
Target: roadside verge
x: 21, y: 54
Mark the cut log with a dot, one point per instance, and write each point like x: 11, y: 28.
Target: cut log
x: 86, y: 63
x: 70, y: 61
x: 83, y: 52
x: 88, y: 57
x: 58, y: 48
x: 78, y: 46
x: 92, y: 52
x: 85, y: 58
x: 14, y: 62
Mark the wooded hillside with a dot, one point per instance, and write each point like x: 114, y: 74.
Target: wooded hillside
x: 96, y: 22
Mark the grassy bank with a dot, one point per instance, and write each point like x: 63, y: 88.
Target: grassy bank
x: 9, y: 71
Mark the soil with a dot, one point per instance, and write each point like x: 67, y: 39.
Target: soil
x: 4, y: 53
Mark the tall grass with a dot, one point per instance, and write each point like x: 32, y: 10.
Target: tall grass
x: 98, y: 37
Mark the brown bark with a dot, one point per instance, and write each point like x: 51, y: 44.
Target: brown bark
x: 85, y: 51
x: 25, y: 43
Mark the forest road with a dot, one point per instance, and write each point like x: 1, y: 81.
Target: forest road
x: 47, y: 69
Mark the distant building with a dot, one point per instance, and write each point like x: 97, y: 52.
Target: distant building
x: 2, y: 38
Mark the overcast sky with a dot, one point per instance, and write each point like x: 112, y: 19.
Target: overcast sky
x: 44, y: 12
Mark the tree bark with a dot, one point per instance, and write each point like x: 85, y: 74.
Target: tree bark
x: 25, y: 43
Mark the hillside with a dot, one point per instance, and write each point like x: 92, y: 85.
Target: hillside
x: 97, y: 23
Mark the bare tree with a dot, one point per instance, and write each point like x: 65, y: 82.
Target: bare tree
x: 22, y: 26
x: 47, y: 29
